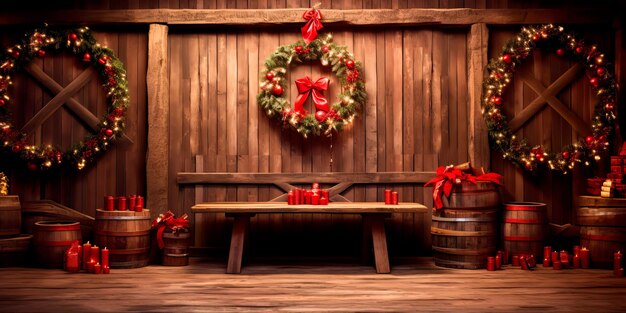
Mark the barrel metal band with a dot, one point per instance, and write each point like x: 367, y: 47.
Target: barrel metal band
x: 522, y: 238
x: 123, y: 218
x: 128, y: 251
x: 525, y: 208
x: 122, y: 234
x: 523, y: 221
x: 57, y: 227
x: 461, y: 233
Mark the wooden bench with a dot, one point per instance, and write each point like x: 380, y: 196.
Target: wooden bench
x: 373, y: 214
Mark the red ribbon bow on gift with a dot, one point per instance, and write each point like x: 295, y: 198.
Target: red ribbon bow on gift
x: 167, y: 221
x: 309, y: 31
x: 448, y: 176
x: 305, y: 87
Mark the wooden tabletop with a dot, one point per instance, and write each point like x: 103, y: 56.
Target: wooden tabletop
x: 333, y: 207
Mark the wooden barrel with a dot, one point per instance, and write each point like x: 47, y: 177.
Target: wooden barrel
x: 602, y: 228
x: 127, y: 236
x: 14, y: 251
x: 464, y: 231
x: 175, y: 251
x: 51, y: 240
x: 524, y: 228
x: 10, y: 216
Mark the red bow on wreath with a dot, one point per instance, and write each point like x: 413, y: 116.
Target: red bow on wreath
x: 448, y: 176
x: 167, y: 221
x: 305, y: 87
x: 309, y: 31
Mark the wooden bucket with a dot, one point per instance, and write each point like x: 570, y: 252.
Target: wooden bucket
x: 14, y: 251
x: 10, y: 216
x: 51, y: 240
x: 175, y: 251
x: 524, y: 228
x: 464, y: 230
x: 603, y: 228
x: 127, y: 236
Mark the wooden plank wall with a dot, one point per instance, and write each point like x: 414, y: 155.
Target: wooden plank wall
x: 416, y: 118
x: 121, y: 170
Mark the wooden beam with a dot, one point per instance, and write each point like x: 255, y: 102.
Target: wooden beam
x: 477, y: 44
x: 81, y: 111
x: 294, y: 16
x: 59, y: 100
x: 303, y: 178
x: 157, y: 164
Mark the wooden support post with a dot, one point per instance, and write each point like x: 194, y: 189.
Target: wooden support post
x: 376, y: 222
x: 237, y: 242
x: 477, y: 59
x: 157, y: 164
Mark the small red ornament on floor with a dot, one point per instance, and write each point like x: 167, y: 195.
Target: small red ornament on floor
x: 584, y: 258
x: 491, y: 263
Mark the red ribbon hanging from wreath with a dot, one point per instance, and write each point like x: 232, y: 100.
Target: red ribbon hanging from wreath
x: 305, y: 87
x: 448, y: 176
x: 168, y: 221
x: 313, y: 24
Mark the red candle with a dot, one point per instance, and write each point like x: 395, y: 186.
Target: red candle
x: 620, y: 273
x: 491, y: 263
x: 523, y: 262
x: 315, y: 198
x: 498, y: 262
x: 95, y: 254
x: 557, y: 265
x: 307, y: 196
x: 315, y: 186
x: 109, y: 203
x: 290, y: 198
x: 97, y: 268
x: 323, y: 200
x: 546, y: 253
x: 90, y: 266
x: 564, y: 259
x: 121, y: 203
x: 394, y: 197
x: 132, y: 201
x: 584, y: 258
x: 104, y: 255
x: 297, y: 194
x: 576, y: 250
x: 325, y: 194
x: 501, y: 255
x: 387, y: 196
x: 555, y: 256
x: 576, y: 261
x: 138, y: 208
x: 86, y: 254
x: 617, y: 262
x: 71, y: 262
x: 140, y: 202
x: 546, y: 262
x: 106, y: 270
x: 515, y: 260
x: 80, y: 256
x: 530, y: 260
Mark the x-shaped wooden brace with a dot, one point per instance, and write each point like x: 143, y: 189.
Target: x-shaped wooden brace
x: 334, y: 192
x: 548, y: 96
x: 63, y: 95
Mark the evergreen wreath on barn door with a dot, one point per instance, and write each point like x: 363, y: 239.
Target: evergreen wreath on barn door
x: 500, y: 74
x: 327, y: 118
x: 81, y: 42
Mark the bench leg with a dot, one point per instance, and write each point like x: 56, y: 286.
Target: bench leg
x: 381, y: 257
x: 240, y: 228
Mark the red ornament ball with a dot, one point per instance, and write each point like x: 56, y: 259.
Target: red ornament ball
x: 108, y: 132
x: 277, y: 90
x: 536, y: 37
x: 497, y: 100
x: 320, y: 116
x: 506, y: 58
x: 16, y: 148
x: 102, y: 61
x: 565, y: 155
x: 299, y: 49
x: 41, y: 53
x: 560, y: 52
x: 594, y: 81
x: 1, y: 102
x: 32, y: 167
x: 73, y: 37
x: 16, y: 54
x: 325, y: 49
x: 579, y: 49
x: 589, y: 140
x: 269, y: 76
x: 609, y: 106
x: 601, y: 71
x: 350, y: 64
x: 87, y: 57
x: 538, y: 156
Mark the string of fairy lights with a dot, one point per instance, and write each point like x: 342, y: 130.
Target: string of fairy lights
x: 500, y: 75
x: 80, y: 42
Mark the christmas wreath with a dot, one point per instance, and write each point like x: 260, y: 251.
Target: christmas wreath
x: 500, y: 73
x: 327, y: 118
x: 81, y: 42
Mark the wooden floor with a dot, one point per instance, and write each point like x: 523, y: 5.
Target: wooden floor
x: 414, y: 285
